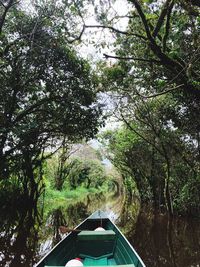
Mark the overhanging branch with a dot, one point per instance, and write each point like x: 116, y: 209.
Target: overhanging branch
x: 140, y: 135
x: 116, y: 30
x: 133, y: 58
x: 143, y: 18
x: 77, y: 38
x: 167, y: 25
x: 161, y: 18
x: 161, y: 93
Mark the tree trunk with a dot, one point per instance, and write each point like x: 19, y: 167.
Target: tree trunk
x: 167, y: 194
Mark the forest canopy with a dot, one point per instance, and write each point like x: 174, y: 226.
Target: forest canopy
x: 48, y: 93
x: 155, y: 83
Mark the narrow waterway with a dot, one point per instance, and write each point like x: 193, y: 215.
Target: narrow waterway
x: 29, y: 232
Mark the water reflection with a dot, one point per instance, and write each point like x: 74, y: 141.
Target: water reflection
x: 19, y: 234
x: 27, y: 234
x: 128, y: 216
x: 162, y: 241
x: 59, y: 220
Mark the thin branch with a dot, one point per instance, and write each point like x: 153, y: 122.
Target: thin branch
x: 25, y: 37
x: 116, y: 30
x: 122, y: 17
x: 52, y: 152
x: 143, y: 18
x: 2, y: 4
x: 30, y: 109
x: 161, y: 93
x: 78, y: 38
x: 140, y: 135
x: 32, y: 35
x: 132, y: 58
x: 149, y: 118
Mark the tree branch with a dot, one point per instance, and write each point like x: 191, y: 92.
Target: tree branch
x: 116, y: 30
x: 161, y: 93
x: 167, y: 27
x: 156, y: 49
x: 29, y: 109
x: 78, y: 38
x: 2, y: 4
x: 161, y: 18
x: 140, y: 135
x: 143, y: 18
x: 133, y: 58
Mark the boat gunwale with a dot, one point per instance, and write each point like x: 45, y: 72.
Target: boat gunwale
x: 62, y: 240
x: 89, y: 218
x: 137, y: 255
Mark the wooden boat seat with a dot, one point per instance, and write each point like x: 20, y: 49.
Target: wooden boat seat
x: 97, y: 235
x: 93, y: 244
x: 95, y: 262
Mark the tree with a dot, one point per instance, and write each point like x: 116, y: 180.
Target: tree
x: 154, y: 81
x: 46, y: 92
x: 5, y: 7
x: 89, y: 173
x: 158, y: 159
x: 162, y: 57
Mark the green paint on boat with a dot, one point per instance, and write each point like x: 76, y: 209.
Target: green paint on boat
x: 96, y: 235
x: 95, y: 248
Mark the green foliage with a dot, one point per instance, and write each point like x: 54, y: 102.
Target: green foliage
x: 116, y: 73
x: 153, y: 155
x: 130, y: 155
x: 81, y: 177
x: 187, y: 199
x: 55, y: 198
x: 155, y: 80
x: 76, y: 168
x: 46, y: 91
x: 87, y: 173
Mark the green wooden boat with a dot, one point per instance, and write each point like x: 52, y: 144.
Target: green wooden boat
x: 95, y: 248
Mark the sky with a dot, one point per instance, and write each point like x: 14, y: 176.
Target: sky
x: 91, y: 38
x: 94, y: 53
x: 91, y: 51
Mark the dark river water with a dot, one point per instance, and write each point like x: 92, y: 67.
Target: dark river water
x: 28, y: 232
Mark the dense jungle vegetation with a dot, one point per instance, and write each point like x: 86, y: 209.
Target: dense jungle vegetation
x: 49, y: 99
x: 157, y: 97
x: 76, y: 177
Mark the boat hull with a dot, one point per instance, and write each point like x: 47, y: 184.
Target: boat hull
x: 109, y: 249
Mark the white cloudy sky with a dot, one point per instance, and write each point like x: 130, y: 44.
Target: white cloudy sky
x: 87, y: 50
x: 90, y: 51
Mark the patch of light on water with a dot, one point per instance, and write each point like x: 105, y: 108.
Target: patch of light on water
x: 112, y: 215
x: 45, y: 247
